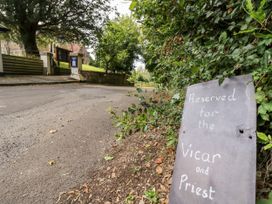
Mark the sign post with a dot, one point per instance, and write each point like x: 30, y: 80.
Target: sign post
x: 216, y: 154
x: 76, y: 65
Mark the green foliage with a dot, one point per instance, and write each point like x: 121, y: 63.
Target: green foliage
x: 64, y: 65
x: 159, y: 110
x: 152, y: 196
x: 93, y: 62
x: 86, y: 67
x: 205, y: 40
x: 77, y: 20
x: 266, y: 201
x: 187, y: 42
x: 260, y: 14
x: 119, y: 45
x: 139, y: 76
x: 266, y: 140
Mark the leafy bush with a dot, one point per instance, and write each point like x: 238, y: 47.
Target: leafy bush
x: 159, y: 111
x: 187, y: 42
x: 141, y: 78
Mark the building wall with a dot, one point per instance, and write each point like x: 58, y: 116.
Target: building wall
x: 12, y: 48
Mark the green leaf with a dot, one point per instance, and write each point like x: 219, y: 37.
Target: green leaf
x: 223, y: 37
x: 133, y: 5
x: 176, y: 97
x: 195, y: 70
x: 260, y: 96
x: 262, y: 110
x: 247, y: 31
x: 267, y: 147
x: 249, y: 5
x: 261, y: 35
x: 262, y: 4
x: 262, y: 136
x: 268, y: 106
x: 269, y: 94
x: 265, y: 117
x: 181, y: 3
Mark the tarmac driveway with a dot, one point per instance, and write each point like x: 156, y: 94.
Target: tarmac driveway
x: 51, y: 137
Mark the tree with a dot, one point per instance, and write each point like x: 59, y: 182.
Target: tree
x: 118, y: 46
x: 72, y: 20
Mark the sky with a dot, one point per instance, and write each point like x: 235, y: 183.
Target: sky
x: 122, y: 7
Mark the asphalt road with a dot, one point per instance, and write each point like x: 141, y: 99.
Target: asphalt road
x: 78, y: 112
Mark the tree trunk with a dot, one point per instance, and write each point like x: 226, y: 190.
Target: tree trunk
x: 107, y: 67
x: 28, y: 35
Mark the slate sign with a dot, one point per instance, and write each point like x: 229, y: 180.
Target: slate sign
x: 216, y: 154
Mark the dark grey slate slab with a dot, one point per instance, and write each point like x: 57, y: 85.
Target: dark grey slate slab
x: 216, y: 154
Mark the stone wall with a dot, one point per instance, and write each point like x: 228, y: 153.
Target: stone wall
x: 103, y: 78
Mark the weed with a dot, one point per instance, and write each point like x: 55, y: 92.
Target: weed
x: 130, y: 199
x: 152, y: 196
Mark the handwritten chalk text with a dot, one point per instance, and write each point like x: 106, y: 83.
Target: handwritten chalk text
x: 187, y: 151
x: 189, y: 187
x: 208, y: 99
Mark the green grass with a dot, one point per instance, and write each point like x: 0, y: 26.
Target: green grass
x: 64, y: 65
x: 85, y: 67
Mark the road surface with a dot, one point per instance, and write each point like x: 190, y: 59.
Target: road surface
x: 67, y: 126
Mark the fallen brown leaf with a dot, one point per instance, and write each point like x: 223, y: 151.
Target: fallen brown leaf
x: 159, y: 170
x: 159, y: 160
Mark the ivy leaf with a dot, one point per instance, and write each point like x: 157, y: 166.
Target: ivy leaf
x: 269, y: 93
x: 263, y: 137
x: 262, y: 110
x: 260, y: 97
x: 223, y: 37
x: 267, y: 147
x: 268, y: 106
x: 265, y: 117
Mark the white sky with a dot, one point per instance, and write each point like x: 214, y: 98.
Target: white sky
x: 122, y: 7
